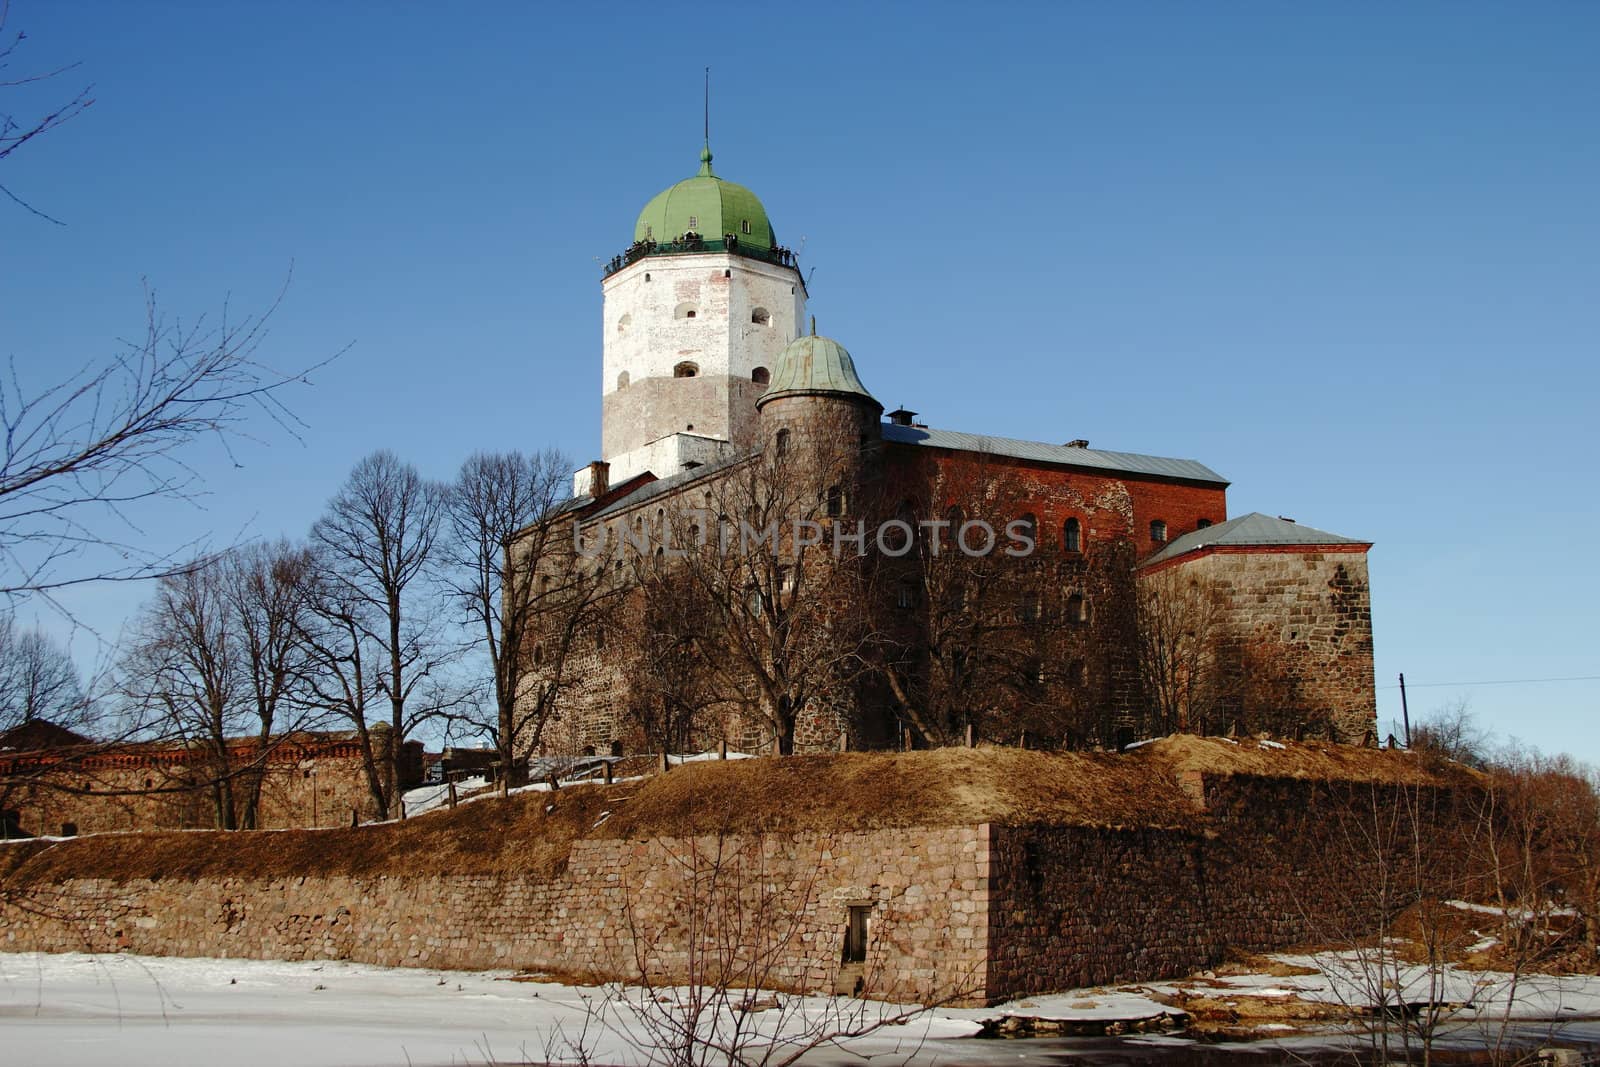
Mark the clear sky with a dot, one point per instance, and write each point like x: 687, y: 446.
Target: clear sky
x: 1346, y: 254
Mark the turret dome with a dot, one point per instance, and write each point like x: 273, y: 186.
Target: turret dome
x: 816, y: 366
x: 709, y: 206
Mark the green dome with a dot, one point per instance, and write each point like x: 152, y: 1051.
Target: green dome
x: 710, y: 207
x: 815, y: 366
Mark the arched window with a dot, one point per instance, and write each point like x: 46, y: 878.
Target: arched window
x: 1158, y: 530
x: 686, y: 369
x: 761, y: 317
x: 782, y: 442
x: 1077, y: 608
x: 905, y: 595
x: 835, y: 500
x: 622, y: 380
x: 761, y: 376
x: 538, y: 655
x: 623, y: 323
x: 684, y: 311
x: 744, y: 227
x: 1072, y: 536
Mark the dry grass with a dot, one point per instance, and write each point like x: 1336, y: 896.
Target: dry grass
x: 839, y: 792
x: 865, y: 790
x: 1322, y: 760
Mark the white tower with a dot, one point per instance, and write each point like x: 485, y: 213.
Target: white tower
x: 696, y: 312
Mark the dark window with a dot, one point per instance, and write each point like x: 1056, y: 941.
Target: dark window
x: 1158, y: 530
x: 855, y: 933
x: 1202, y: 524
x: 835, y: 501
x: 761, y: 317
x: 905, y: 595
x: 1072, y: 536
x: 782, y: 442
x: 538, y: 655
x: 1078, y: 673
x: 1077, y: 608
x: 1028, y: 608
x: 69, y: 829
x: 744, y: 227
x: 694, y: 222
x: 686, y: 370
x: 761, y: 376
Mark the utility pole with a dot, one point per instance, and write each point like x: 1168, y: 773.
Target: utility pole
x: 1405, y: 712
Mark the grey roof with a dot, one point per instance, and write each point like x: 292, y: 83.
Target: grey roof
x: 656, y: 488
x: 1122, y: 462
x: 1252, y: 529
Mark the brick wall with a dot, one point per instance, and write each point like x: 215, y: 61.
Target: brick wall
x: 138, y: 787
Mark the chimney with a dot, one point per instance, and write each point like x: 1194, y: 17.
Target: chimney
x: 1079, y: 443
x: 599, y: 478
x: 901, y: 417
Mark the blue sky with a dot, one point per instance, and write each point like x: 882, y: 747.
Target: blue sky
x: 1348, y: 255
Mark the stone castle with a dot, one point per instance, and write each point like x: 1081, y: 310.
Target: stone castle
x: 1142, y: 606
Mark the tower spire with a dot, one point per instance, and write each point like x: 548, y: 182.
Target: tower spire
x: 705, y: 152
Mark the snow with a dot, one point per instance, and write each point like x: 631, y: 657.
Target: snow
x: 1347, y: 978
x: 76, y: 1009
x: 1515, y: 913
x: 1265, y: 743
x: 430, y: 797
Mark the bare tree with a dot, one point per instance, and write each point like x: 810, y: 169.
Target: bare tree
x: 339, y: 675
x: 511, y: 571
x: 671, y: 695
x: 784, y: 631
x: 16, y: 132
x: 81, y: 451
x: 1180, y: 669
x: 1453, y: 732
x: 379, y: 536
x: 38, y: 679
x: 265, y: 590
x: 183, y: 675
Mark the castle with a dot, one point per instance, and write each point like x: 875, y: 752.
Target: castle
x: 1140, y: 606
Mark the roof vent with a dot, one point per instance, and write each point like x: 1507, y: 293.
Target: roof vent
x: 901, y: 417
x: 1079, y: 443
x: 1284, y: 518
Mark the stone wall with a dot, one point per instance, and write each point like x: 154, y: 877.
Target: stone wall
x: 617, y: 901
x: 1279, y: 863
x: 980, y: 911
x: 1298, y: 622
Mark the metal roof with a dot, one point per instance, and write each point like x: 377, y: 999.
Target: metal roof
x: 1121, y: 462
x: 812, y: 366
x: 1252, y: 529
x: 707, y: 205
